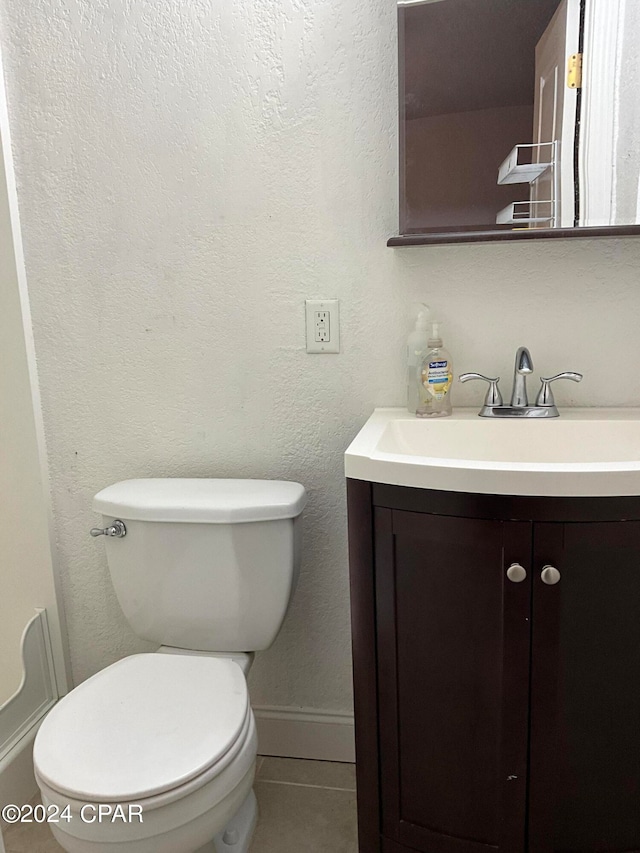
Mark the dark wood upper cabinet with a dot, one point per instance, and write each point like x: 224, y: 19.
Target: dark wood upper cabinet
x: 517, y: 119
x: 495, y: 714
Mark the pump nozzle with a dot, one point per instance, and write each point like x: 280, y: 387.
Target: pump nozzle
x: 422, y: 321
x: 434, y: 338
x: 423, y: 312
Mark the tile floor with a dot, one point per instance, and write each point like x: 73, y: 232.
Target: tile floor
x: 305, y: 807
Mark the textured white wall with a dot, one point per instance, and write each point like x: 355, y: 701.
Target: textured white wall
x: 626, y: 202
x: 189, y: 172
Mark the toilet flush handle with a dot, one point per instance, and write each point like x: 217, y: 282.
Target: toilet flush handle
x: 117, y: 529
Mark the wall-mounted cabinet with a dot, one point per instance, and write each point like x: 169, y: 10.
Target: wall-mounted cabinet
x: 479, y: 78
x: 497, y: 671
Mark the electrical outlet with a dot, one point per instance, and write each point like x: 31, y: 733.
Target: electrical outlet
x: 323, y: 325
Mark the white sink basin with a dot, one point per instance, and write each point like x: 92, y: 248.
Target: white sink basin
x: 584, y: 452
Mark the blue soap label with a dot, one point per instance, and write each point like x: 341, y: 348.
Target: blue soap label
x: 436, y: 378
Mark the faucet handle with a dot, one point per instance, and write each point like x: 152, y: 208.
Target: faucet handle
x: 545, y: 394
x: 494, y: 397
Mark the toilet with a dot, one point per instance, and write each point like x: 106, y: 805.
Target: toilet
x: 156, y: 753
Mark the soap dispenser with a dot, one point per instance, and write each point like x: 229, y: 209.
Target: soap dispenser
x: 417, y: 344
x: 436, y: 376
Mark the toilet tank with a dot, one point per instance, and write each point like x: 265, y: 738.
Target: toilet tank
x: 206, y: 564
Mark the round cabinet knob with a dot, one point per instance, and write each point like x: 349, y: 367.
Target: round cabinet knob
x: 516, y: 573
x: 550, y: 575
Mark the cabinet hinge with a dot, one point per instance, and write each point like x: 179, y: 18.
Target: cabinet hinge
x: 574, y: 71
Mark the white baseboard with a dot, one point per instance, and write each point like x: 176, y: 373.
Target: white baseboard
x: 305, y: 733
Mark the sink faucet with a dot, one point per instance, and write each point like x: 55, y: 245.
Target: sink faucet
x: 545, y: 406
x: 523, y: 367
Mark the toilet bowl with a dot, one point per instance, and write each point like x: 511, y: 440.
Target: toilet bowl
x: 170, y: 739
x: 156, y: 753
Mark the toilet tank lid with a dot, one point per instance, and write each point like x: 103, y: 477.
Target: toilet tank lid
x: 204, y: 500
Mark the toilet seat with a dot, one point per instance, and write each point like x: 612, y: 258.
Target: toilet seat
x: 150, y: 727
x: 182, y: 819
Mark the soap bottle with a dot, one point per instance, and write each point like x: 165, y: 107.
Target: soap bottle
x: 417, y: 343
x: 436, y: 376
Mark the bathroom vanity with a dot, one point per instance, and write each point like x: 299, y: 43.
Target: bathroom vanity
x: 496, y: 639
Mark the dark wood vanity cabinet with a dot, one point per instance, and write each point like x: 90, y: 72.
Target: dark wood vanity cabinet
x: 495, y: 715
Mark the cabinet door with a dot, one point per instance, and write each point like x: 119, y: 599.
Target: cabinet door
x: 453, y: 638
x: 585, y: 694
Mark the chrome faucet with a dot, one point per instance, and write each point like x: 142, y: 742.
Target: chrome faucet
x: 545, y: 406
x: 523, y: 367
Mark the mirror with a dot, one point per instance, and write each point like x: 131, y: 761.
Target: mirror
x: 518, y: 117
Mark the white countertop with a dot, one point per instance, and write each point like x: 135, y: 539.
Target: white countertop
x: 584, y: 452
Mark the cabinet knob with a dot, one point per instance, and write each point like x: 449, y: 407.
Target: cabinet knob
x: 516, y: 573
x: 550, y: 575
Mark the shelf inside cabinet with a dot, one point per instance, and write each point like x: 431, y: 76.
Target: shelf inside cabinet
x: 512, y: 171
x: 522, y: 213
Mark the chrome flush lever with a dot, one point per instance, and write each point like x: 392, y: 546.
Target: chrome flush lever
x: 117, y: 529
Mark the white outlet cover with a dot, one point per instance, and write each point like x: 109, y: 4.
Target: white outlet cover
x: 312, y: 306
